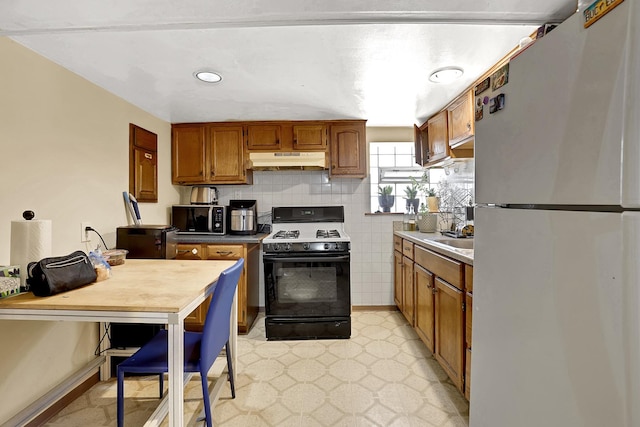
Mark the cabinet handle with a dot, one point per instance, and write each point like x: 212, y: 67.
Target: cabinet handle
x: 224, y: 253
x: 468, y: 125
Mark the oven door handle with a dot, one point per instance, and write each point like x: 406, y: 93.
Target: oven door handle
x: 307, y: 258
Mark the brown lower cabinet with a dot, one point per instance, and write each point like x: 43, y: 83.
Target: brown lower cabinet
x: 425, y: 307
x: 441, y: 307
x: 248, y: 285
x: 450, y: 331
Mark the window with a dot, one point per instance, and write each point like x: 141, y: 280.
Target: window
x: 393, y: 164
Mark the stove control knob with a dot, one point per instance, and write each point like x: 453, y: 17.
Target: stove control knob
x: 327, y: 246
x: 276, y: 247
x: 287, y: 247
x: 306, y: 246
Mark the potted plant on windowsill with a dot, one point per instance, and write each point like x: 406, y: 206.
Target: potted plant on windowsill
x: 411, y: 193
x: 433, y: 201
x: 385, y: 198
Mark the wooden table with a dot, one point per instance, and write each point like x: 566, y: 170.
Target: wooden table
x: 139, y: 291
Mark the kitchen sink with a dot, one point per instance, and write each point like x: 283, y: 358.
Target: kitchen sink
x: 456, y: 243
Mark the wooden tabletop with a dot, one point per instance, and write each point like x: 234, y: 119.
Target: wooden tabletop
x: 165, y: 286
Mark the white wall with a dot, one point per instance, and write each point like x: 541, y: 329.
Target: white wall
x: 64, y: 146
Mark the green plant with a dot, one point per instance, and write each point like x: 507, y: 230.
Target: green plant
x: 385, y: 191
x: 431, y: 192
x: 411, y: 191
x: 423, y: 208
x: 421, y: 185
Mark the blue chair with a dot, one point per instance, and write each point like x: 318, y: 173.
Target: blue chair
x: 200, y: 348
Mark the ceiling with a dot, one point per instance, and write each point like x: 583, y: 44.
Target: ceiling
x: 282, y: 59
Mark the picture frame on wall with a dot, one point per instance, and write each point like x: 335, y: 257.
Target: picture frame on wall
x: 500, y: 77
x: 479, y: 110
x: 482, y: 86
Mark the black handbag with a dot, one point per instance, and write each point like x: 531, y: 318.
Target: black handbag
x: 54, y: 275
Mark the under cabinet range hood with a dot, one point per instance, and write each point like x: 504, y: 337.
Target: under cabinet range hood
x: 288, y: 160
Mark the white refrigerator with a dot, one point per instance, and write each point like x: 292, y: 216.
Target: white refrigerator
x: 557, y: 233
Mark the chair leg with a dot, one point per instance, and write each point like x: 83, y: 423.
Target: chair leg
x: 161, y: 381
x: 120, y: 398
x: 230, y: 369
x: 205, y: 398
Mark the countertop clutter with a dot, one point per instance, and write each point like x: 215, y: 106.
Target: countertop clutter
x: 442, y: 244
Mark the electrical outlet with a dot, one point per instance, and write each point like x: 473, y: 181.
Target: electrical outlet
x: 84, y: 234
x: 236, y: 194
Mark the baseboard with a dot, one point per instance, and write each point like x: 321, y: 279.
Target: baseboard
x: 60, y: 396
x: 374, y: 308
x: 58, y: 406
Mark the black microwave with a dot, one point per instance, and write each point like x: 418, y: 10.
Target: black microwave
x: 199, y: 219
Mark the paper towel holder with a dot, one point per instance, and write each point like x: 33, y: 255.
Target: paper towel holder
x: 28, y: 215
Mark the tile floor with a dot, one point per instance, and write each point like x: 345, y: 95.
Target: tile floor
x: 382, y: 376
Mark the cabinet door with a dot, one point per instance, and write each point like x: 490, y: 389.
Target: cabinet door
x: 408, y: 302
x: 310, y: 137
x: 226, y: 155
x: 188, y: 155
x: 425, y: 309
x: 264, y: 137
x: 145, y: 175
x: 461, y: 119
x: 348, y: 150
x: 450, y: 331
x: 231, y: 252
x: 438, y: 137
x: 143, y: 164
x: 397, y: 279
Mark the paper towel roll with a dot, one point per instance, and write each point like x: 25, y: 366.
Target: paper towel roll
x: 30, y: 241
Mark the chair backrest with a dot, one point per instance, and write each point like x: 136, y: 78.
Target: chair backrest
x: 215, y: 332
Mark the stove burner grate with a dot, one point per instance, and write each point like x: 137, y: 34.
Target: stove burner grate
x: 287, y: 234
x: 327, y: 234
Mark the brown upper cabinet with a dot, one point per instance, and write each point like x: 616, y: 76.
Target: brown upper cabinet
x: 438, y: 137
x: 217, y: 153
x: 348, y: 150
x: 310, y: 137
x: 461, y: 120
x: 208, y: 154
x: 264, y: 137
x: 143, y: 164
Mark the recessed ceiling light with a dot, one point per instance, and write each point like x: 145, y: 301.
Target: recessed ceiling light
x: 208, y: 76
x: 446, y: 75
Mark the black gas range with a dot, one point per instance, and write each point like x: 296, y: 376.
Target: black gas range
x: 307, y: 274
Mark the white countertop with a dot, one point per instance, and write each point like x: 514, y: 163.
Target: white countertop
x: 430, y: 241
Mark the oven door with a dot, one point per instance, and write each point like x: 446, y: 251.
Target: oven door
x: 307, y: 285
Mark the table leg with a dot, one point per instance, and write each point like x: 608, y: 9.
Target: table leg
x: 176, y: 371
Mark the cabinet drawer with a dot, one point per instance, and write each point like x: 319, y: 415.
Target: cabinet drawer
x: 397, y: 243
x: 446, y: 268
x: 224, y: 251
x: 407, y: 249
x: 189, y: 251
